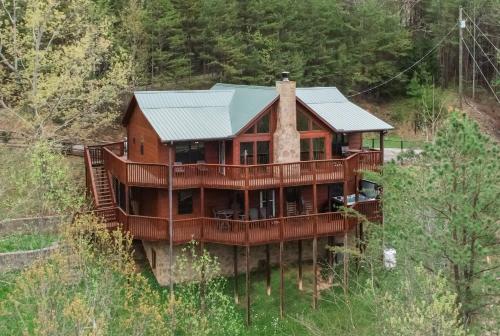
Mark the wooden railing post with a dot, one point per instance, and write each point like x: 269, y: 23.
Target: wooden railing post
x: 247, y: 233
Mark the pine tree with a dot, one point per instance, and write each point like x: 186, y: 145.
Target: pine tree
x: 443, y: 212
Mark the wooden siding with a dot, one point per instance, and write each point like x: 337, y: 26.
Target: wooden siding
x: 139, y: 129
x: 355, y: 140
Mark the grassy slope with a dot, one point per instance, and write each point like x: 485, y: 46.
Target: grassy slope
x: 332, y: 314
x: 25, y: 242
x: 7, y: 283
x: 354, y: 318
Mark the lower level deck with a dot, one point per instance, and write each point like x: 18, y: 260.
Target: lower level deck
x: 241, y: 232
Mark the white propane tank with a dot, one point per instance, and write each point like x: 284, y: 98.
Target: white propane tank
x: 389, y: 258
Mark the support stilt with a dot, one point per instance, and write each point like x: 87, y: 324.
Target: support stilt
x: 235, y: 265
x: 315, y: 273
x: 268, y: 269
x: 330, y: 260
x: 247, y: 285
x: 361, y: 238
x: 202, y: 281
x: 346, y: 265
x: 282, y: 280
x: 299, y: 261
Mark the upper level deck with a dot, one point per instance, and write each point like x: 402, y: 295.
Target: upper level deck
x: 223, y: 176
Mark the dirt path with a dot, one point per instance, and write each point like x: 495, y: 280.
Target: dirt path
x: 487, y: 115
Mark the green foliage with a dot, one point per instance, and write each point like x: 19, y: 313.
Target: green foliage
x: 24, y: 242
x: 37, y: 181
x: 202, y: 307
x: 320, y: 42
x: 61, y: 75
x: 88, y: 287
x: 443, y: 212
x: 429, y: 102
x: 420, y: 304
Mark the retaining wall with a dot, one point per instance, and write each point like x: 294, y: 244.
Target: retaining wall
x: 18, y: 260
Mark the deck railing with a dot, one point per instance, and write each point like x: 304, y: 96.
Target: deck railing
x: 236, y: 177
x: 237, y: 232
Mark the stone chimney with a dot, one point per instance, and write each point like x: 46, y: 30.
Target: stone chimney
x: 286, y: 137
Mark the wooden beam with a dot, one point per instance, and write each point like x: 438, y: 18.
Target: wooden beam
x: 235, y: 269
x: 202, y: 279
x: 246, y: 205
x: 127, y: 199
x: 282, y: 282
x: 202, y: 202
x: 346, y: 223
x: 382, y: 147
x: 299, y: 261
x: 281, y: 202
x: 247, y: 283
x: 315, y: 275
x: 268, y: 269
x: 330, y: 259
x: 346, y: 265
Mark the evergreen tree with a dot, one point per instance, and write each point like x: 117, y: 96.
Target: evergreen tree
x: 167, y: 62
x: 443, y: 212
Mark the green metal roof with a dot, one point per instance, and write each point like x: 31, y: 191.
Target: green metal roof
x: 225, y: 109
x: 335, y: 109
x: 247, y: 102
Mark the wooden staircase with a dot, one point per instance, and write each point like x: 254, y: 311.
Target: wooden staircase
x: 98, y: 181
x: 103, y: 186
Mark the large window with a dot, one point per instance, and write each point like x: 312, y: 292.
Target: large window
x: 318, y: 148
x: 185, y: 202
x: 252, y: 150
x: 312, y: 149
x: 305, y: 149
x: 246, y: 153
x: 302, y: 121
x: 261, y: 126
x: 262, y: 152
x: 306, y: 123
x: 267, y: 203
x: 189, y: 152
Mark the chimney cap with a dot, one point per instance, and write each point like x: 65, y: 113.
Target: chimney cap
x: 285, y: 75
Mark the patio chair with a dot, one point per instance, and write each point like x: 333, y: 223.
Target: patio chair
x: 291, y: 209
x: 263, y: 213
x: 178, y: 168
x: 308, y: 208
x: 254, y: 214
x: 201, y: 167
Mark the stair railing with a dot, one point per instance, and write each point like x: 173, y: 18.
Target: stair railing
x: 91, y: 183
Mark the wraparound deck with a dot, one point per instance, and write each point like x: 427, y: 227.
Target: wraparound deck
x: 240, y: 232
x: 230, y: 176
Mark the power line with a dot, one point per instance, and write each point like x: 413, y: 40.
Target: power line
x: 486, y: 80
x: 485, y: 36
x: 484, y: 52
x: 407, y: 69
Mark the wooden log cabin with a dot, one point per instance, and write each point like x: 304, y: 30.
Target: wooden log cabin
x: 237, y: 166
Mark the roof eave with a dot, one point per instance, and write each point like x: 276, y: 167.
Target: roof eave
x: 163, y: 141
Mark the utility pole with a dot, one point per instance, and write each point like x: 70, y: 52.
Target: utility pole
x: 461, y: 24
x: 474, y: 50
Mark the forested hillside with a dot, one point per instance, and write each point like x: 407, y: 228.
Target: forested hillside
x: 67, y: 67
x: 350, y: 44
